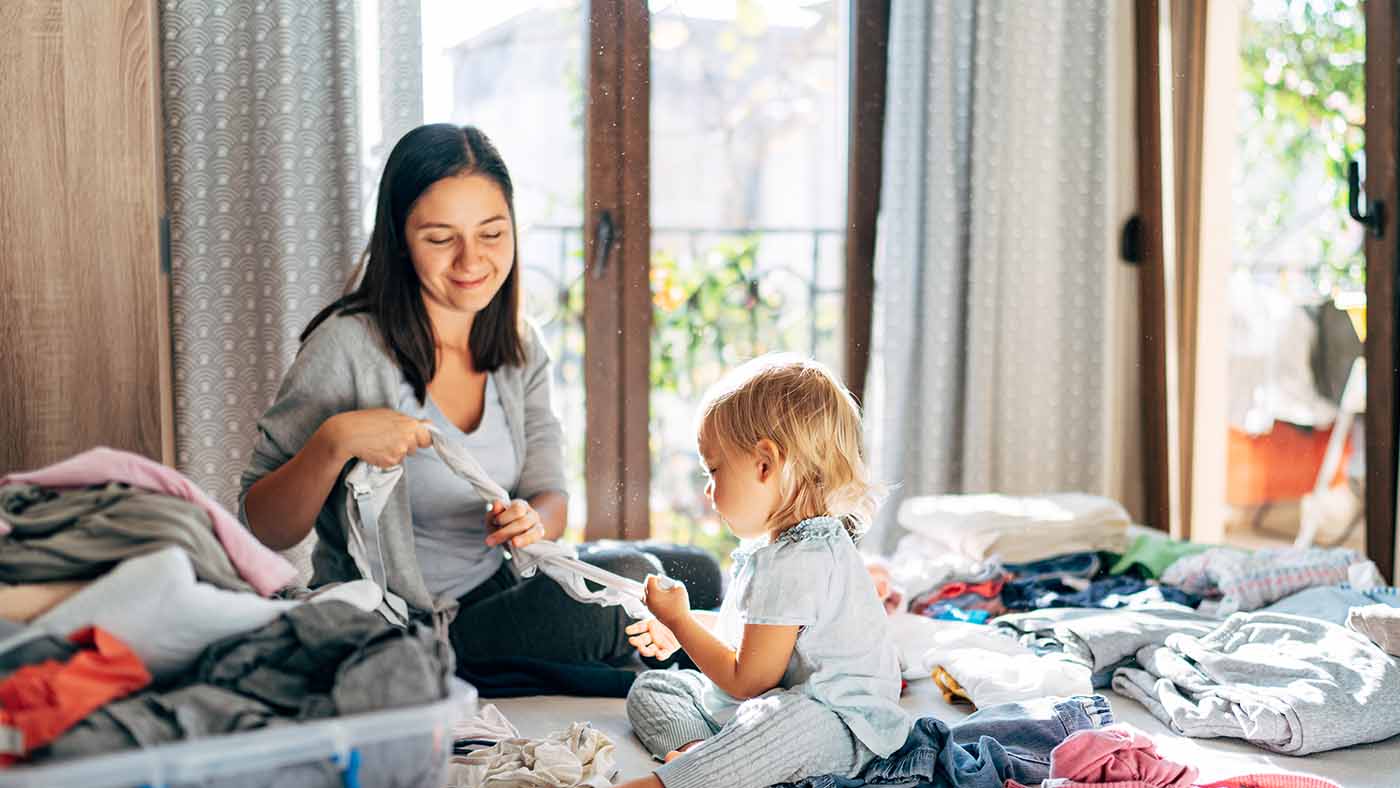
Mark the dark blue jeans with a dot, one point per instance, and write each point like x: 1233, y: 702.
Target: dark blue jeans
x: 1011, y: 741
x: 1108, y: 592
x: 1084, y: 566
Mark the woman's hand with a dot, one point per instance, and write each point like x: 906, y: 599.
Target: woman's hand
x: 667, y: 599
x: 381, y: 437
x: 516, y: 521
x: 652, y: 638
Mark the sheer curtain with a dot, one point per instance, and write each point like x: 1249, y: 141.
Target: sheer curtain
x: 995, y: 273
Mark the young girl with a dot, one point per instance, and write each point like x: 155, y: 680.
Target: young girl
x: 800, y: 676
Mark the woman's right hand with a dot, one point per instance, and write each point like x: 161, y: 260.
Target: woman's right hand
x: 381, y: 437
x: 652, y: 638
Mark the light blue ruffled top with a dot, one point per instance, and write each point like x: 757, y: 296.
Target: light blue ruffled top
x: 812, y: 576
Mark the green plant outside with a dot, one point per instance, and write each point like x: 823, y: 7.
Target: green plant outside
x: 1303, y: 83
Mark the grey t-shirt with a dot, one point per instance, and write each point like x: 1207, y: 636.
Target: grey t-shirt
x: 449, y: 517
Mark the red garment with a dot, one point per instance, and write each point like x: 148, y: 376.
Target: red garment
x: 987, y: 588
x: 39, y: 702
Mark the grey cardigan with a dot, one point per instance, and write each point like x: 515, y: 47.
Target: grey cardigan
x: 344, y: 365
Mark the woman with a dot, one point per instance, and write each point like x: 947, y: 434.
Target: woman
x: 433, y: 335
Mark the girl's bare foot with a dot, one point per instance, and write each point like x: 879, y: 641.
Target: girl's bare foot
x: 679, y: 751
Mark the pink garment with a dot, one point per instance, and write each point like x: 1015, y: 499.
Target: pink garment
x: 264, y: 569
x: 1272, y: 781
x: 1246, y: 781
x: 1117, y: 754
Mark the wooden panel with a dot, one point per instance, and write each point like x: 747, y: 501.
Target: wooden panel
x: 1382, y: 50
x: 602, y: 308
x: 1152, y: 283
x: 635, y: 264
x: 617, y: 296
x: 1188, y: 35
x: 865, y: 159
x: 83, y: 327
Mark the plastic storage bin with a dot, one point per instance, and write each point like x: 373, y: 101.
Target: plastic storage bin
x: 405, y: 747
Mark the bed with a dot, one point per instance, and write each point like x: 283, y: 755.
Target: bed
x: 1367, y: 766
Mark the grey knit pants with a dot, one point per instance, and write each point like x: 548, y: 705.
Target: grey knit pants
x: 780, y: 736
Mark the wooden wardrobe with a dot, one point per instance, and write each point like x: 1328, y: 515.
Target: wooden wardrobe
x: 84, y: 328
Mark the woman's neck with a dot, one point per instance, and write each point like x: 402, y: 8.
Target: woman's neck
x: 452, y: 330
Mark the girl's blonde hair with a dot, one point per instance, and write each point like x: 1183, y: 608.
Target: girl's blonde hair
x: 800, y: 406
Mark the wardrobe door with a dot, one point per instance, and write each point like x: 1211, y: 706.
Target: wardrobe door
x: 84, y: 334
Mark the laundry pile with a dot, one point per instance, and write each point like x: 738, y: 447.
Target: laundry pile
x: 135, y: 611
x: 1002, y: 600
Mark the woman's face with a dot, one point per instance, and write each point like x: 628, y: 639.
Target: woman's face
x: 461, y: 243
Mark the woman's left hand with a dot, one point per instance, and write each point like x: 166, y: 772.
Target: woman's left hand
x: 516, y: 522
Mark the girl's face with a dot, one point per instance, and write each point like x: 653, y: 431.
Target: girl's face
x: 742, y: 488
x: 461, y: 242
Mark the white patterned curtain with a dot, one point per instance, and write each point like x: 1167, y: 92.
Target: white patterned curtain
x: 992, y: 304
x: 262, y: 164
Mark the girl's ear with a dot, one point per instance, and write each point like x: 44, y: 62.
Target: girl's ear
x: 768, y: 457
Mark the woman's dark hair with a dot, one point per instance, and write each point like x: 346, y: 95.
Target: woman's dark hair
x: 390, y: 291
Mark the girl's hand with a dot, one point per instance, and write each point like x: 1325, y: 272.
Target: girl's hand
x: 516, y: 521
x: 381, y: 437
x: 667, y: 599
x: 652, y: 638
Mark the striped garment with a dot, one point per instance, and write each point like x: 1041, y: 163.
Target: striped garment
x: 1246, y: 581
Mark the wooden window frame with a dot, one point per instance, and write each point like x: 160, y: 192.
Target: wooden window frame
x: 1154, y: 293
x: 870, y: 35
x: 617, y: 290
x: 1382, y: 49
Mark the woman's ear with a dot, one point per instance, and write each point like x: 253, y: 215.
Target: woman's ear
x: 769, y: 459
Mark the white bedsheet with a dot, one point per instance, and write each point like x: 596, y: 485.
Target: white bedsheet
x: 1368, y: 766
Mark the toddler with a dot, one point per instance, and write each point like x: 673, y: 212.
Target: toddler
x: 798, y: 674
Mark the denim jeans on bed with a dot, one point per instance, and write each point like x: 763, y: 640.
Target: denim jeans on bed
x: 1108, y: 592
x: 1083, y: 566
x: 1010, y: 741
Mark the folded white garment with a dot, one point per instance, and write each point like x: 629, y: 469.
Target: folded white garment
x: 154, y: 604
x: 993, y: 668
x: 580, y: 757
x: 1018, y: 529
x: 922, y: 564
x: 914, y: 635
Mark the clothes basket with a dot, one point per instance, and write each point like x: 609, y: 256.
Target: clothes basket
x: 405, y: 747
